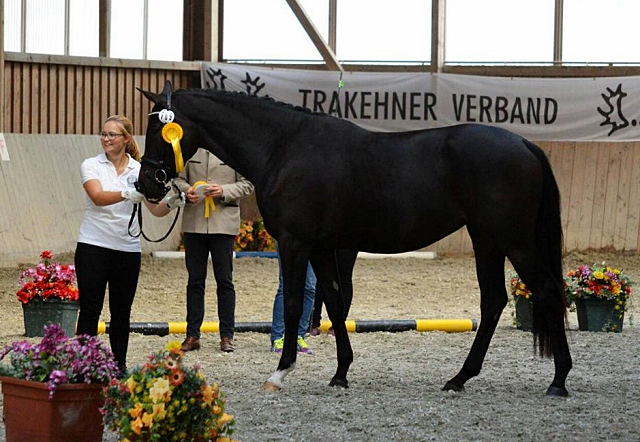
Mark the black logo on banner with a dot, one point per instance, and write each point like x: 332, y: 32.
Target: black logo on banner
x: 613, y: 112
x: 215, y: 80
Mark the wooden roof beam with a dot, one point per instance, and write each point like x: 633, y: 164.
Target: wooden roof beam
x: 328, y: 55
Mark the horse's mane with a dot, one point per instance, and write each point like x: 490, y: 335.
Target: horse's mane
x: 208, y: 93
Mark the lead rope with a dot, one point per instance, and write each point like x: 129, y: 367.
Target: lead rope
x: 137, y: 209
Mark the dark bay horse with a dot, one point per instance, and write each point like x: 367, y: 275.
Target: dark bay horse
x: 324, y: 184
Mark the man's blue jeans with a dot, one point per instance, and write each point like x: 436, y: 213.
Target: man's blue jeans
x: 277, y: 323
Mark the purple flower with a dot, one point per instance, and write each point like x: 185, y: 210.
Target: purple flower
x: 58, y: 359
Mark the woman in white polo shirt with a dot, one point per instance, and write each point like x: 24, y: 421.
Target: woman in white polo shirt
x: 106, y: 254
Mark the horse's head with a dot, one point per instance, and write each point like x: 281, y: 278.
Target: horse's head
x: 171, y: 140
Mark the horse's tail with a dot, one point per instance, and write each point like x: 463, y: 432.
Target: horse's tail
x: 549, y: 241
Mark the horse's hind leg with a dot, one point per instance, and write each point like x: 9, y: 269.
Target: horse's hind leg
x: 493, y: 299
x: 549, y: 316
x: 329, y: 266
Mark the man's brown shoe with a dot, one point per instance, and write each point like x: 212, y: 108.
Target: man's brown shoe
x: 227, y: 345
x: 191, y: 343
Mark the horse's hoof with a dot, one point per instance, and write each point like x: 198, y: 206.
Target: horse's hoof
x: 270, y: 387
x: 452, y: 387
x: 339, y: 383
x: 557, y: 391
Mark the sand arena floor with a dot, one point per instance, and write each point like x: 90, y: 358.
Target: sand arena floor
x: 396, y: 378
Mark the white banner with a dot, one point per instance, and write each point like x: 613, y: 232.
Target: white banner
x: 562, y: 109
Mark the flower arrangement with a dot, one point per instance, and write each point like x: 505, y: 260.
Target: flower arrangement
x: 58, y: 359
x: 254, y: 237
x: 518, y: 288
x: 164, y: 401
x: 48, y: 280
x: 599, y: 281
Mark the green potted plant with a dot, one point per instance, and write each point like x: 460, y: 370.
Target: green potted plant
x: 59, y: 380
x: 165, y: 401
x: 522, y: 298
x: 601, y: 295
x: 48, y: 295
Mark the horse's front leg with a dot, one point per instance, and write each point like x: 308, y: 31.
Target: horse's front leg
x: 294, y: 260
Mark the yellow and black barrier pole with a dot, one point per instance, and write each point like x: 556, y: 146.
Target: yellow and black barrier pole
x: 421, y: 325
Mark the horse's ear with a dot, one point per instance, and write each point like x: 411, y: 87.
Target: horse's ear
x: 167, y: 88
x: 155, y: 98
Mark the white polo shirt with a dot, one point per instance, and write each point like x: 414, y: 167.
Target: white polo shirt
x: 106, y: 226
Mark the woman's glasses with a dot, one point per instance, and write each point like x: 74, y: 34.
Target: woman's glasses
x: 110, y: 135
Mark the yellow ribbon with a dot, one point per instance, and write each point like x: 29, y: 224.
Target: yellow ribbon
x: 172, y: 133
x: 208, y: 200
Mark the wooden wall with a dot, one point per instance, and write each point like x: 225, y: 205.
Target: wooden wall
x: 44, y: 97
x: 599, y: 182
x: 600, y: 193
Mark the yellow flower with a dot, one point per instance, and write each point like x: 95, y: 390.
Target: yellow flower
x: 224, y: 419
x: 136, y: 411
x: 172, y: 345
x: 159, y: 411
x: 598, y: 274
x: 160, y: 391
x: 131, y: 384
x: 147, y: 420
x: 136, y: 426
x: 207, y: 394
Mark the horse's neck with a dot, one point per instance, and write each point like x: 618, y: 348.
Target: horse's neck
x: 248, y: 135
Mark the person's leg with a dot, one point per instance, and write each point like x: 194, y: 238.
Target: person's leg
x: 196, y: 255
x: 277, y: 319
x: 307, y: 305
x: 123, y: 281
x: 221, y: 247
x: 92, y: 272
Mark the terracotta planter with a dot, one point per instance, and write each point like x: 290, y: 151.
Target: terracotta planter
x: 596, y: 314
x: 524, y: 314
x: 37, y: 314
x: 71, y: 415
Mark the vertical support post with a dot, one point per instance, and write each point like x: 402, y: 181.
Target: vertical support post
x: 333, y: 20
x: 437, y: 35
x: 557, y: 32
x: 104, y: 25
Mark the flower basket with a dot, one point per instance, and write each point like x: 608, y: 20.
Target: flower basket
x: 601, y: 295
x: 73, y: 413
x: 598, y: 315
x: 48, y: 296
x: 39, y: 313
x: 523, y: 314
x: 53, y: 389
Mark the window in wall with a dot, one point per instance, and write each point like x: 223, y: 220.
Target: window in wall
x: 84, y: 28
x: 596, y: 31
x: 269, y: 30
x: 13, y: 25
x: 127, y: 29
x: 164, y: 30
x: 496, y: 31
x: 383, y: 31
x: 45, y: 31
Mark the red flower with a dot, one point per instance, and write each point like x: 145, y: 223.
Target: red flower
x: 176, y: 377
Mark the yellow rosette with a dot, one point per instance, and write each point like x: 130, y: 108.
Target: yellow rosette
x: 172, y: 133
x: 208, y: 201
